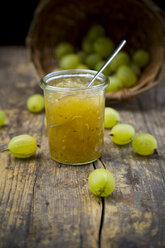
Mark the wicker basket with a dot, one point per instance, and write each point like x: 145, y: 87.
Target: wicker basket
x: 137, y: 21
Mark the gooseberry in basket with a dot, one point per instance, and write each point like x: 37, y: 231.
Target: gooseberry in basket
x: 82, y: 55
x: 141, y: 58
x: 69, y: 61
x: 115, y: 84
x: 122, y: 58
x: 127, y: 76
x: 92, y: 59
x: 82, y: 66
x: 62, y: 49
x: 87, y: 45
x: 104, y: 46
x: 136, y: 69
x: 106, y: 71
x: 95, y: 32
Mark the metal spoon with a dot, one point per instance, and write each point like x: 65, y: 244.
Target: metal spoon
x: 107, y: 62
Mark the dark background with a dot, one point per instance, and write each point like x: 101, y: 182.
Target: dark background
x: 16, y: 16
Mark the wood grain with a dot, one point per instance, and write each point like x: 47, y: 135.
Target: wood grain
x: 134, y: 215
x: 42, y: 204
x: 45, y: 204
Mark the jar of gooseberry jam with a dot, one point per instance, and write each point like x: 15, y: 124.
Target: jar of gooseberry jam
x: 75, y: 115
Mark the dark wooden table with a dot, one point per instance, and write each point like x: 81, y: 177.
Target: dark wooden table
x: 43, y: 204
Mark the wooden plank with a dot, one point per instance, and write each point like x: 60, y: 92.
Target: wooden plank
x: 45, y: 205
x: 134, y: 215
x: 41, y: 204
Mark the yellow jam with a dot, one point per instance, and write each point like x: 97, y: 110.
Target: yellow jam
x: 75, y: 123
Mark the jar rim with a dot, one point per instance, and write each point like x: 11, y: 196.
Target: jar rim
x: 44, y: 82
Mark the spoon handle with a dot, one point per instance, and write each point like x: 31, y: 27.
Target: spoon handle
x: 107, y: 62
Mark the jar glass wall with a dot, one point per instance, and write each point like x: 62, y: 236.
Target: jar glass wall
x: 75, y: 115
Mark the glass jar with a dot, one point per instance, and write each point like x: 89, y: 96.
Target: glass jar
x: 75, y: 115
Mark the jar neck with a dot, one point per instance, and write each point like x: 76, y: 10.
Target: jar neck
x: 87, y: 75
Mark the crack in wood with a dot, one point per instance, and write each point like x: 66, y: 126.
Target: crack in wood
x: 101, y: 222
x: 101, y: 160
x: 94, y: 165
